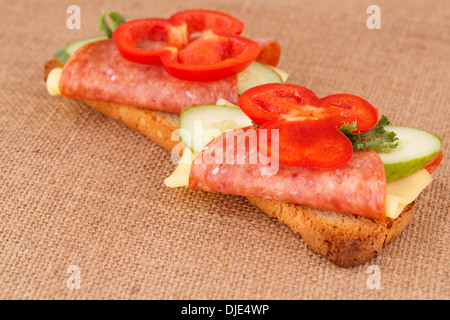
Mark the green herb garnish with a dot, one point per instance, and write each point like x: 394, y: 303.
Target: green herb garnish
x: 116, y: 20
x: 377, y: 138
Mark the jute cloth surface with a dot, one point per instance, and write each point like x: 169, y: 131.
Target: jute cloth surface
x: 82, y: 196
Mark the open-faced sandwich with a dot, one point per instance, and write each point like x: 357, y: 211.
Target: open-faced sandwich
x: 330, y: 168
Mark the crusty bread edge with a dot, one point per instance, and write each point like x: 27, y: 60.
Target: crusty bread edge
x: 346, y: 240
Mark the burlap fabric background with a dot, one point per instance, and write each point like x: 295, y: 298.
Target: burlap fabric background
x: 79, y: 189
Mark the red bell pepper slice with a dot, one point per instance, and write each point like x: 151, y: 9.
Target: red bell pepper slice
x: 144, y: 41
x: 306, y: 143
x: 266, y: 102
x: 216, y: 53
x: 308, y: 127
x: 211, y: 57
x: 351, y: 108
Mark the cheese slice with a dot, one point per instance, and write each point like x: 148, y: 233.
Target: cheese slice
x: 180, y: 177
x: 401, y: 192
x: 53, y: 81
x: 223, y: 102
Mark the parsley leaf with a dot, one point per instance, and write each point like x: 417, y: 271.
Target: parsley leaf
x: 377, y: 138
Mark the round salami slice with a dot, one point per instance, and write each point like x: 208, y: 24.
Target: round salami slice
x: 98, y: 72
x: 231, y: 164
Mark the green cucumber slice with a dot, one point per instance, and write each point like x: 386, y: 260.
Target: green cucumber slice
x: 201, y: 124
x: 415, y: 148
x: 63, y: 53
x: 256, y: 74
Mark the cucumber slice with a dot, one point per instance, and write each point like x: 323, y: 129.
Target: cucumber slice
x: 74, y: 46
x: 415, y: 148
x: 201, y: 124
x: 63, y: 53
x: 256, y: 74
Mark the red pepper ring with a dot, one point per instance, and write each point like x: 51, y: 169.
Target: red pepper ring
x: 222, y: 56
x: 145, y: 40
x: 308, y: 127
x: 305, y: 143
x: 218, y: 53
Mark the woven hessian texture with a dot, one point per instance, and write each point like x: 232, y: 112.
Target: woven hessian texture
x: 79, y: 189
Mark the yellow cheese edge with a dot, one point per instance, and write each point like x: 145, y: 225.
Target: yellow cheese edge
x: 223, y: 102
x: 401, y: 192
x: 53, y: 81
x: 180, y: 177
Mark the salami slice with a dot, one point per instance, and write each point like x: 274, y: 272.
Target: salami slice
x: 98, y: 72
x: 358, y: 187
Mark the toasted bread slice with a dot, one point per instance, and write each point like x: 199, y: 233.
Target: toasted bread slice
x: 346, y: 240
